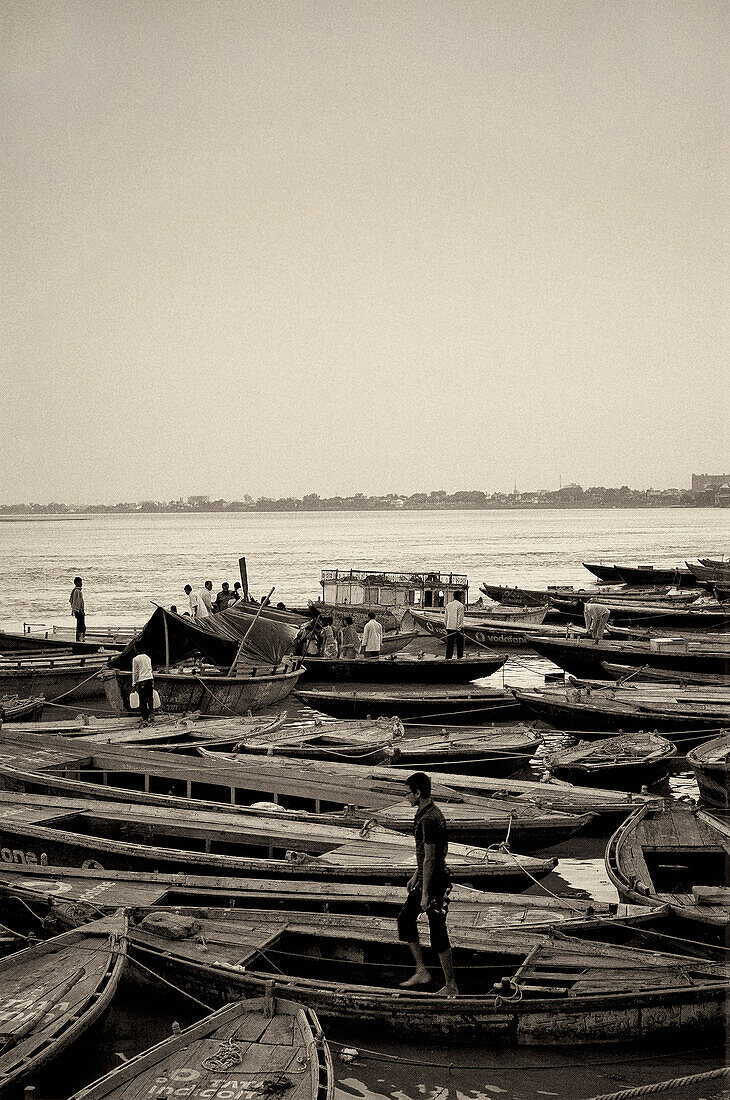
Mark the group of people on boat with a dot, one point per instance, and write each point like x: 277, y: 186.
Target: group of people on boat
x: 317, y: 637
x: 203, y: 604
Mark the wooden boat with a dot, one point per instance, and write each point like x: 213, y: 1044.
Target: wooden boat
x: 584, y: 657
x: 65, y: 678
x: 422, y: 704
x: 66, y: 897
x: 349, y: 741
x: 606, y: 574
x: 250, y: 1048
x: 634, y: 674
x: 663, y: 614
x: 52, y: 992
x: 711, y: 764
x: 208, y: 691
x: 49, y: 644
x: 622, y: 763
x: 511, y: 597
x: 68, y: 832
x: 593, y: 710
x: 676, y: 856
x: 473, y: 749
x: 15, y: 709
x: 408, y: 668
x: 429, y: 622
x: 651, y: 574
x: 516, y: 988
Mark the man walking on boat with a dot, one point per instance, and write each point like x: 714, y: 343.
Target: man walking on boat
x: 76, y: 599
x: 428, y: 888
x: 454, y: 623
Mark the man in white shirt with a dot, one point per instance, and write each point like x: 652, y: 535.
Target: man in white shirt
x: 454, y: 623
x: 207, y: 596
x: 198, y: 610
x: 144, y: 684
x: 372, y: 637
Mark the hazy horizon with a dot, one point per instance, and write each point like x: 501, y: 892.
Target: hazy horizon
x: 272, y: 249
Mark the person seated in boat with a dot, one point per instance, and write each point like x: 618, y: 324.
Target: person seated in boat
x: 428, y: 889
x: 328, y: 641
x: 143, y: 683
x: 372, y: 637
x: 224, y: 597
x: 596, y: 616
x: 349, y: 640
x: 454, y: 624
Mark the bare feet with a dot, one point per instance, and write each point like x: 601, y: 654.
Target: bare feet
x: 448, y: 991
x: 421, y: 977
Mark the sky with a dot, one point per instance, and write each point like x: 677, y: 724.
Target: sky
x: 287, y: 246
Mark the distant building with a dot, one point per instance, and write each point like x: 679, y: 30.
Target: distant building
x: 702, y: 482
x: 196, y: 501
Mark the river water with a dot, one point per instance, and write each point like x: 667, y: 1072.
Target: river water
x: 130, y: 561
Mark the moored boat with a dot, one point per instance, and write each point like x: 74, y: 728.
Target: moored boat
x: 402, y: 668
x: 422, y: 704
x: 711, y: 764
x: 594, y: 709
x: 65, y: 897
x: 515, y: 988
x: 250, y: 1043
x: 15, y: 709
x: 584, y: 657
x: 80, y: 832
x: 64, y: 678
x: 621, y: 763
x: 606, y: 574
x: 52, y: 992
x: 675, y: 855
x: 209, y: 690
x: 475, y: 749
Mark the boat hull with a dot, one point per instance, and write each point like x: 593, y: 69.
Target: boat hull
x: 222, y: 696
x: 488, y: 1020
x: 584, y: 657
x: 469, y: 708
x: 384, y: 670
x: 66, y: 684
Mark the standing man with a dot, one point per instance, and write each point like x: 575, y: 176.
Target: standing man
x: 198, y: 609
x: 144, y: 683
x: 76, y: 599
x: 207, y: 596
x: 428, y: 888
x: 372, y: 637
x: 454, y: 623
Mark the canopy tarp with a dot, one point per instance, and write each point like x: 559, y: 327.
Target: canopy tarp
x: 217, y: 638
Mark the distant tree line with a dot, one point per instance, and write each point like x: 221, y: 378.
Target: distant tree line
x: 569, y: 496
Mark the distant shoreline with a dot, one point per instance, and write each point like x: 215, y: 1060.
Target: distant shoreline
x: 38, y: 517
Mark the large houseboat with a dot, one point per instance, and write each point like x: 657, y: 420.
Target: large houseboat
x: 389, y: 594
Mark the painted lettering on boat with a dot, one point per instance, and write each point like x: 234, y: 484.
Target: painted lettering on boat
x: 181, y: 1083
x: 15, y: 855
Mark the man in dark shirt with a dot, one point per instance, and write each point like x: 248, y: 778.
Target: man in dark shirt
x: 428, y: 888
